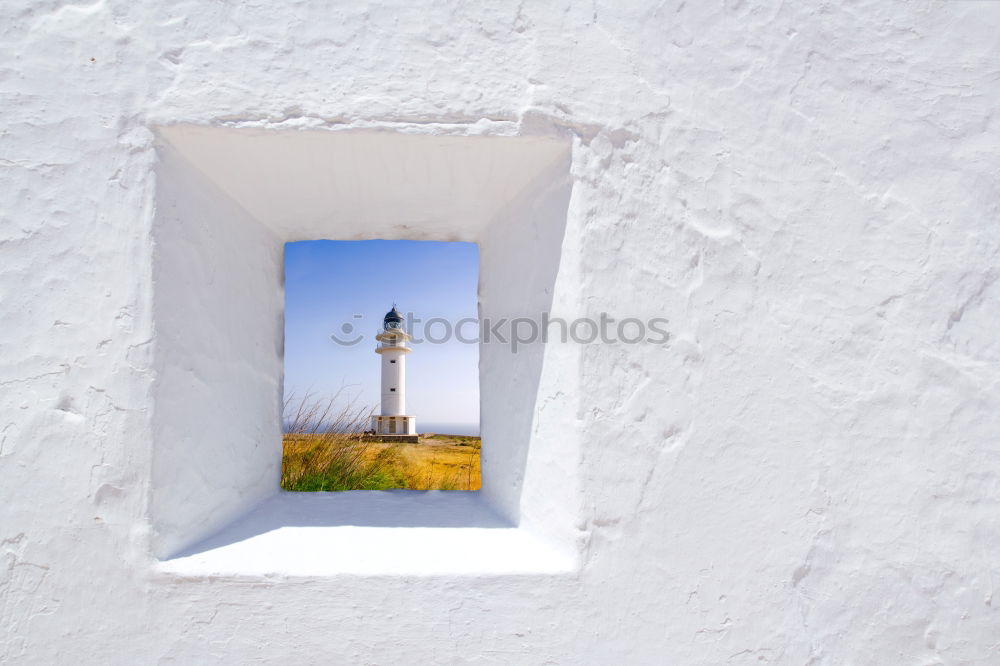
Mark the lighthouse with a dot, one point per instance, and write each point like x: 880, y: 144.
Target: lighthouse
x: 392, y: 347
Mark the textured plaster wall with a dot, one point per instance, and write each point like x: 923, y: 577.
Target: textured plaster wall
x: 808, y: 472
x: 216, y: 409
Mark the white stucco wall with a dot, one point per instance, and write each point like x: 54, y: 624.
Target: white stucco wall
x: 807, y: 472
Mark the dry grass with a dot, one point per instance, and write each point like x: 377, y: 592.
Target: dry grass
x: 324, y: 449
x: 320, y: 462
x: 444, y: 462
x: 325, y: 462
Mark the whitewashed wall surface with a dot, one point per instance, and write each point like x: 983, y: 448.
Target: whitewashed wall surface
x: 806, y: 472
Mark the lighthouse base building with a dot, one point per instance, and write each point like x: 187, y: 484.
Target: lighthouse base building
x: 398, y: 426
x: 392, y: 422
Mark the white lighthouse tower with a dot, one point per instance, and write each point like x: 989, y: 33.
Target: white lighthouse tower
x: 392, y: 347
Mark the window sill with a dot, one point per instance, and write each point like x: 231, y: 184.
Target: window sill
x: 370, y: 533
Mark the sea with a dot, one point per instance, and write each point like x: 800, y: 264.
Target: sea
x: 448, y: 428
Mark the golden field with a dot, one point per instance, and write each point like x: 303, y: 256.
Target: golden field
x: 324, y: 462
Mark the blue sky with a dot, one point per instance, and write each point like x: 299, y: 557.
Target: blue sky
x: 327, y: 283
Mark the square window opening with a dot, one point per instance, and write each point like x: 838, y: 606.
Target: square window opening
x: 227, y: 200
x: 379, y: 391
